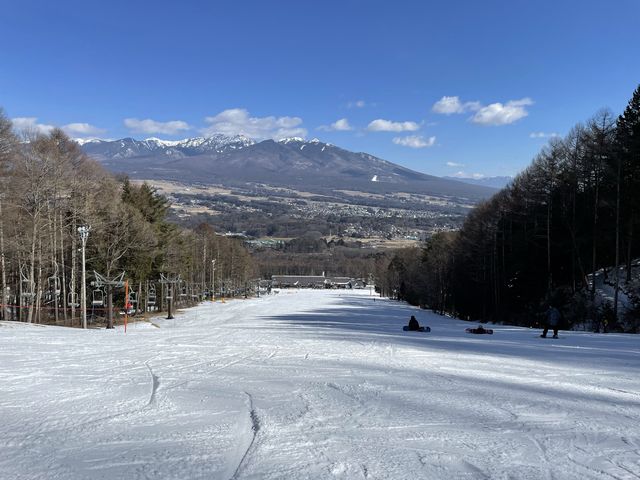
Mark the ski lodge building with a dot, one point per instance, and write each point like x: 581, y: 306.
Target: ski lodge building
x: 314, y: 281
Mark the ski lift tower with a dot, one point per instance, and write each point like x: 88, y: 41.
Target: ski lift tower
x: 109, y: 284
x: 171, y: 281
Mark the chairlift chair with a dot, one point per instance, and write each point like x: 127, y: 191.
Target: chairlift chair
x: 54, y: 285
x: 151, y: 298
x: 27, y: 291
x: 72, y: 299
x: 169, y: 292
x: 47, y: 298
x: 97, y: 298
x: 130, y: 304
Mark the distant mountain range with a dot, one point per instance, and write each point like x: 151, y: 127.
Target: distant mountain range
x: 130, y: 148
x: 309, y: 165
x: 494, y: 182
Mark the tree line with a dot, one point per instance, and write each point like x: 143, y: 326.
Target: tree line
x: 335, y: 258
x: 553, y: 236
x: 48, y: 189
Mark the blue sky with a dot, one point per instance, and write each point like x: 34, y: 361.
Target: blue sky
x: 438, y: 86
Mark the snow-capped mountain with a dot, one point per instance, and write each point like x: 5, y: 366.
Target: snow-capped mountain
x: 216, y: 143
x: 131, y: 148
x: 289, y: 140
x: 312, y: 165
x: 84, y: 141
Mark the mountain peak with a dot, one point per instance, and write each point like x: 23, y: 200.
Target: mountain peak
x: 84, y: 141
x: 292, y: 140
x: 165, y: 143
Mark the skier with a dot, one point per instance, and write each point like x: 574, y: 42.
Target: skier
x: 553, y: 319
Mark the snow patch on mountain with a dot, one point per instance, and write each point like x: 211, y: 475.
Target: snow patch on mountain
x: 85, y: 141
x: 288, y: 140
x: 163, y: 143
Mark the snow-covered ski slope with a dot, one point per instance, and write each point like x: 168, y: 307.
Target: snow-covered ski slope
x: 316, y: 385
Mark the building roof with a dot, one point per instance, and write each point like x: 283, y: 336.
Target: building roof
x: 298, y: 279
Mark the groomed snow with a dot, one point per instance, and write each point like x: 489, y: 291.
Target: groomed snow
x: 316, y: 385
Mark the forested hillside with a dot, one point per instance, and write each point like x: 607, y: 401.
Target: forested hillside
x: 49, y: 188
x: 567, y: 219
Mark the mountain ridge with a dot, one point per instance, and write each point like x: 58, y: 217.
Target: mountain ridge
x: 290, y: 162
x: 497, y: 182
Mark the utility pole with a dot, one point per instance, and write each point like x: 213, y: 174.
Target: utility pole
x: 84, y: 235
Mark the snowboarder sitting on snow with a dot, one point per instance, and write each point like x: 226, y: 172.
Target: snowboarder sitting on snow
x: 413, y: 323
x: 553, y: 319
x: 479, y: 330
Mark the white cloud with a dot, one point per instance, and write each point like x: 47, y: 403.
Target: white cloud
x: 497, y: 113
x: 82, y: 129
x: 415, y: 141
x: 543, y: 135
x: 149, y: 126
x: 380, y: 125
x: 494, y: 114
x: 237, y: 121
x: 462, y: 174
x: 30, y: 124
x: 449, y: 105
x: 341, y: 125
x: 357, y: 104
x: 454, y: 164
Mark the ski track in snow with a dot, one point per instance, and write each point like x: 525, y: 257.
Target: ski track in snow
x: 254, y: 427
x: 316, y: 384
x: 155, y: 383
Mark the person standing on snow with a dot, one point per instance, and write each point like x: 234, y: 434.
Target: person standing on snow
x: 553, y: 319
